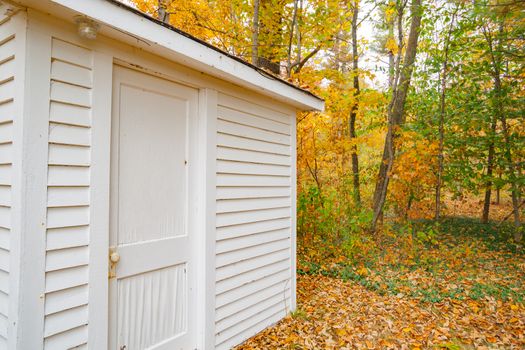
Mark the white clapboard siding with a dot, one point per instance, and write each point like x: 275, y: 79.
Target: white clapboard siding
x: 68, y: 197
x: 253, y: 222
x: 7, y: 89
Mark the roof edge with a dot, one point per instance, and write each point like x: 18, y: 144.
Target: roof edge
x: 195, y: 52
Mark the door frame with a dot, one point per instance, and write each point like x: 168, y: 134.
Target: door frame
x: 201, y: 214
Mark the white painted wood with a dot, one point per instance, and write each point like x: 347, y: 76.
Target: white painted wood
x: 100, y: 199
x: 66, y: 278
x: 252, y: 228
x: 231, y: 141
x: 245, y: 276
x: 74, y: 54
x: 69, y: 114
x: 293, y: 244
x: 67, y: 340
x: 70, y: 94
x: 180, y: 48
x: 244, y: 106
x: 225, y: 273
x: 67, y: 237
x: 250, y: 240
x: 224, y: 153
x: 243, y: 168
x: 153, y: 145
x: 230, y: 219
x: 30, y: 182
x: 206, y: 211
x: 255, y: 121
x: 232, y: 128
x: 229, y: 180
x: 70, y: 73
x: 66, y: 299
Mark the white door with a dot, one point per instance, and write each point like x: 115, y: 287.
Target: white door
x: 152, y: 303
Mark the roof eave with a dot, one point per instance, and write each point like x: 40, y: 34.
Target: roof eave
x: 192, y: 53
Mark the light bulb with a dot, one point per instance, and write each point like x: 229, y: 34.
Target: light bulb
x: 87, y: 28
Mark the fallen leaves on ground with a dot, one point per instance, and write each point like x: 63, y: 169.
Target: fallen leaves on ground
x: 462, y: 289
x: 333, y: 314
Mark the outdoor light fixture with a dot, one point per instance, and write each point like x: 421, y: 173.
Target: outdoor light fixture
x: 87, y: 28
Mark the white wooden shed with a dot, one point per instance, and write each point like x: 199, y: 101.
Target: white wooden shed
x: 150, y: 148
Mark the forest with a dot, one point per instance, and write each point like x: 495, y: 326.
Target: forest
x: 410, y: 184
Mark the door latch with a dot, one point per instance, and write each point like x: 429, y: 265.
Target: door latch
x: 114, y: 258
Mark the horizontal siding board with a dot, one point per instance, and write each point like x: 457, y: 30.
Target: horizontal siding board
x: 6, y: 111
x: 71, y: 94
x: 67, y: 237
x: 4, y: 304
x: 4, y: 260
x: 252, y: 120
x: 232, y: 141
x: 67, y: 216
x: 67, y: 196
x: 239, y: 255
x: 5, y: 217
x: 65, y: 320
x: 67, y: 278
x: 242, y: 242
x: 251, y: 192
x: 246, y: 131
x: 249, y: 332
x: 5, y: 195
x: 66, y: 299
x: 252, y: 228
x: 3, y: 326
x: 71, y: 74
x: 6, y: 90
x: 238, y: 205
x: 71, y: 53
x: 68, y: 176
x: 69, y: 134
x: 4, y: 282
x: 277, y: 308
x: 7, y: 47
x: 66, y: 258
x: 249, y: 313
x: 70, y: 339
x: 245, y: 168
x: 7, y: 70
x: 250, y: 288
x: 230, y: 219
x: 6, y: 153
x: 240, y: 155
x: 5, y: 174
x: 5, y: 239
x: 69, y: 155
x: 6, y: 132
x: 240, y: 304
x: 229, y: 271
x: 225, y: 180
x: 69, y: 114
x: 254, y: 109
x: 243, y: 278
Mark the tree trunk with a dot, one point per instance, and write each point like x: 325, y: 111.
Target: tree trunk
x: 164, y: 16
x: 290, y: 39
x: 490, y: 166
x: 441, y: 131
x: 396, y: 112
x: 355, y: 105
x: 255, y: 33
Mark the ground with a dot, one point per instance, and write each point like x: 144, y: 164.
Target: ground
x: 461, y: 288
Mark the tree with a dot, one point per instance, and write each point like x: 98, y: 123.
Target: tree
x: 396, y: 110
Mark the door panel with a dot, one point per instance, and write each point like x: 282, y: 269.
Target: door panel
x: 152, y: 304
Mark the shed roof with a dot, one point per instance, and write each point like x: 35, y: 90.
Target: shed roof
x: 170, y: 42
